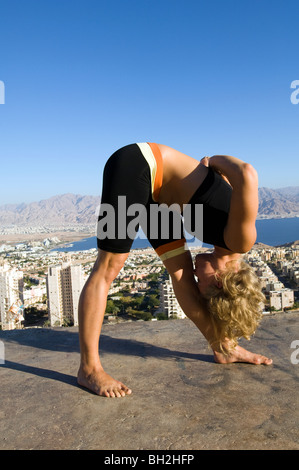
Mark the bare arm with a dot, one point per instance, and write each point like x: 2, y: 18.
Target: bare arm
x: 180, y: 269
x: 231, y: 167
x: 240, y: 232
x: 187, y: 293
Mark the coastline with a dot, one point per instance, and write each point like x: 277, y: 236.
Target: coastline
x: 63, y: 236
x: 73, y: 234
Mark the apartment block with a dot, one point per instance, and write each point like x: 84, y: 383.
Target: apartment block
x: 64, y: 285
x: 281, y: 299
x: 168, y: 301
x: 33, y: 295
x: 11, y: 297
x: 274, y: 286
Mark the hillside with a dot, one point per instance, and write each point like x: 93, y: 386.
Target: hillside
x: 278, y: 202
x: 72, y: 209
x: 66, y: 209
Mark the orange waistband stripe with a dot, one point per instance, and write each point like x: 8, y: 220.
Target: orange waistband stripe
x: 159, y: 173
x: 169, y: 250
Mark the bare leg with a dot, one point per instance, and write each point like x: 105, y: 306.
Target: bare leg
x: 92, y: 306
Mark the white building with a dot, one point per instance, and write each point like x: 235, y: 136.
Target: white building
x: 33, y: 295
x: 274, y: 286
x: 64, y: 285
x: 281, y: 299
x: 168, y: 301
x: 11, y: 297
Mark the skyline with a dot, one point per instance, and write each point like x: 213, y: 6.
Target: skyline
x: 83, y: 78
x: 24, y: 203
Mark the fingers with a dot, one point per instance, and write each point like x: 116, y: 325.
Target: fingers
x: 205, y: 161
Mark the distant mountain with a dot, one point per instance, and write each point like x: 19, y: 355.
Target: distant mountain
x: 66, y: 209
x: 282, y: 202
x: 73, y: 209
x: 291, y: 192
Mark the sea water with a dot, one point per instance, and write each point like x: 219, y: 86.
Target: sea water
x: 271, y: 232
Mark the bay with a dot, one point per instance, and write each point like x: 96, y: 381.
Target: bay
x: 271, y: 232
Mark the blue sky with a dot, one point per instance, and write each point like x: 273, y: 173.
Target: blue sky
x: 85, y: 77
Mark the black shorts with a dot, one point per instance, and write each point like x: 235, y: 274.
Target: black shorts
x: 132, y: 181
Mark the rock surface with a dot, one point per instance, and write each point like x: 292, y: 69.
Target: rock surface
x: 181, y: 399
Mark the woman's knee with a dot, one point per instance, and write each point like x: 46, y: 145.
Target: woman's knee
x: 108, y: 265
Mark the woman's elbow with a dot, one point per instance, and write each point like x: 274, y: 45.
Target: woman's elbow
x: 249, y: 173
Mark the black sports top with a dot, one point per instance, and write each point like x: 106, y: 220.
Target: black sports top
x: 215, y: 195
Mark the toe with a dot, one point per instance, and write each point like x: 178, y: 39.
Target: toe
x: 127, y: 390
x: 267, y: 361
x: 124, y: 390
x: 263, y: 360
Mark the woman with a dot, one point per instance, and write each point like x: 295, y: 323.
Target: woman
x: 138, y: 179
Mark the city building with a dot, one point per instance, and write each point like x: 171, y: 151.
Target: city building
x: 168, y: 301
x: 64, y: 285
x: 11, y: 297
x: 34, y: 295
x: 279, y: 300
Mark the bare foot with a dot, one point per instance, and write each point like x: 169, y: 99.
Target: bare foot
x: 101, y: 383
x: 241, y: 355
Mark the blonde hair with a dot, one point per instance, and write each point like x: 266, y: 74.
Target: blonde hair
x: 236, y: 307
